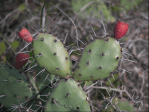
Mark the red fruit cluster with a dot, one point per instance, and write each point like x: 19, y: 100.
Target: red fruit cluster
x: 21, y: 60
x: 120, y: 29
x: 25, y: 34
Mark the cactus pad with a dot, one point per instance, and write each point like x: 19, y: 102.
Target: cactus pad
x: 51, y: 55
x: 44, y: 79
x: 122, y: 105
x: 68, y: 96
x: 14, y: 88
x: 99, y: 59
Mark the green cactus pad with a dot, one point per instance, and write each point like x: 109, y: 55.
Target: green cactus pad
x: 68, y: 96
x: 122, y: 104
x: 51, y: 55
x: 13, y: 86
x: 88, y: 83
x: 109, y: 109
x: 99, y: 58
x: 44, y: 79
x: 45, y: 95
x: 33, y: 106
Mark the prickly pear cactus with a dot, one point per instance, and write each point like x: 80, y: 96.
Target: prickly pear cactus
x: 14, y: 89
x: 49, y: 82
x: 99, y: 59
x: 51, y: 55
x: 68, y: 96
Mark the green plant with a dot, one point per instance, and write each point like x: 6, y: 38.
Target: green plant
x: 94, y: 8
x: 54, y: 84
x: 119, y: 105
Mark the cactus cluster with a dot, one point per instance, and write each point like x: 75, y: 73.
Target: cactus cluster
x: 54, y: 86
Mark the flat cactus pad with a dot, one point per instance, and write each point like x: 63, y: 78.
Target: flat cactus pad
x: 99, y: 59
x: 51, y: 55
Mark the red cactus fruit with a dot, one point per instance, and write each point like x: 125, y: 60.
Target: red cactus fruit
x: 21, y: 60
x: 120, y: 29
x: 25, y: 34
